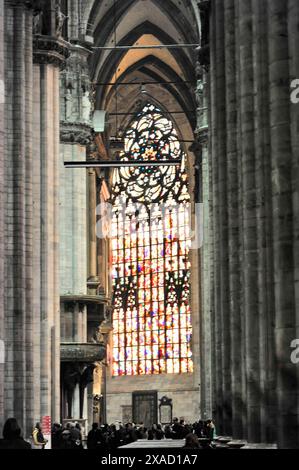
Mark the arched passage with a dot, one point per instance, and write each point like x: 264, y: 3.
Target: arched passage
x: 170, y: 82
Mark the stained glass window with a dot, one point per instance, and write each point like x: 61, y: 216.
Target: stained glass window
x: 150, y: 248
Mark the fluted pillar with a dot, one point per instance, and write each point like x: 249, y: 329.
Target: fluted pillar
x: 202, y: 188
x: 260, y: 154
x: 75, y: 135
x: 218, y: 166
x: 264, y: 224
x: 249, y: 207
x: 293, y: 35
x: 205, y: 250
x: 216, y: 285
x: 232, y: 213
x: 93, y: 280
x: 225, y: 318
x: 283, y: 222
x: 2, y: 199
x: 50, y: 54
x: 19, y: 372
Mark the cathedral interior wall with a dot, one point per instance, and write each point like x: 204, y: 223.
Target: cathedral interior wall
x: 178, y: 387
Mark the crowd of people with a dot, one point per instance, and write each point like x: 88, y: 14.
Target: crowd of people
x: 62, y: 437
x: 108, y: 437
x: 199, y: 434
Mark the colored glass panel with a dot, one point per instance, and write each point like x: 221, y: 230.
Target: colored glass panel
x: 150, y: 245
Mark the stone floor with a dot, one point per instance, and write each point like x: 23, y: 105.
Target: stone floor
x: 221, y: 442
x: 165, y: 443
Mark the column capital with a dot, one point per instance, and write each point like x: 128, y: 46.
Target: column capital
x: 202, y: 136
x: 75, y: 133
x: 50, y: 50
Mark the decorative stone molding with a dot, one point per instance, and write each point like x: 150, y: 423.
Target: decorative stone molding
x: 94, y: 285
x: 82, y: 352
x: 203, y: 51
x: 76, y: 92
x: 92, y: 151
x: 49, y: 50
x: 204, y: 7
x: 202, y: 135
x: 203, y: 56
x: 86, y: 299
x: 27, y: 3
x: 75, y: 133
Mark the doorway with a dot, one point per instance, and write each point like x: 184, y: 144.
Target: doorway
x: 145, y: 408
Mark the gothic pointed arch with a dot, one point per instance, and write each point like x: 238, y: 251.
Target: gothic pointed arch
x: 110, y: 64
x: 156, y: 70
x: 115, y: 14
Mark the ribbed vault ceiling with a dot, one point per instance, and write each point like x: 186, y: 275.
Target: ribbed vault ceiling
x: 144, y: 22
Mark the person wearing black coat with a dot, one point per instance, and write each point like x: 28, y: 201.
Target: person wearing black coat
x: 93, y: 437
x: 56, y: 436
x: 12, y: 438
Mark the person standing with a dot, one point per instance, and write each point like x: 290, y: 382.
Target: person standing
x: 56, y: 436
x: 12, y: 438
x: 210, y: 429
x: 76, y: 436
x: 39, y: 441
x: 93, y: 437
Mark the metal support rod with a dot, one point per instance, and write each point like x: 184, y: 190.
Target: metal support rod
x: 180, y: 141
x: 122, y: 164
x: 153, y: 46
x: 167, y: 112
x: 181, y: 82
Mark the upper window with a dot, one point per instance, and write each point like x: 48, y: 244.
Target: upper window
x: 150, y: 248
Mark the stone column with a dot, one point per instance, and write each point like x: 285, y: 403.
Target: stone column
x: 249, y: 209
x: 75, y: 135
x: 50, y: 53
x: 93, y: 280
x: 264, y: 225
x: 2, y: 199
x: 293, y: 34
x: 223, y: 217
x: 233, y: 226
x: 215, y: 197
x: 206, y: 321
x: 103, y: 247
x: 218, y: 167
x: 19, y: 371
x: 283, y: 223
x: 208, y: 397
x: 202, y: 197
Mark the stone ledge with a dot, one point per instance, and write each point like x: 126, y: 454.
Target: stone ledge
x: 50, y: 50
x: 75, y: 133
x: 85, y: 299
x: 82, y: 352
